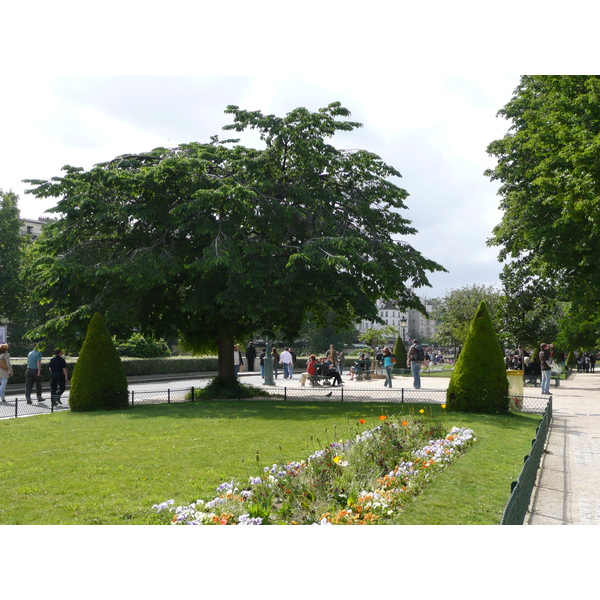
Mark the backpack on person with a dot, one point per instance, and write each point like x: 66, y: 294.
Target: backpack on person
x: 418, y: 354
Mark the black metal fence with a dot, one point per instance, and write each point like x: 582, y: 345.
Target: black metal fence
x: 521, y: 490
x: 19, y: 408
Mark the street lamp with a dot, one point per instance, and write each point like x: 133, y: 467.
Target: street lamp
x: 403, y: 325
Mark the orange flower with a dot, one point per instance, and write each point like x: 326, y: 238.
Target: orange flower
x: 382, y: 418
x: 362, y: 421
x: 404, y: 423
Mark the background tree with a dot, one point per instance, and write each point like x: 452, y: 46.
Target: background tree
x: 218, y: 241
x: 478, y: 382
x: 454, y: 312
x: 529, y: 311
x: 99, y: 380
x: 11, y: 256
x: 378, y: 337
x: 550, y: 183
x: 318, y: 339
x: 579, y: 329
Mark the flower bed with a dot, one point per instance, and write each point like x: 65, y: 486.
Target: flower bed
x: 365, y: 480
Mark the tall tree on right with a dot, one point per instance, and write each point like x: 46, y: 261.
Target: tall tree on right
x: 550, y: 183
x: 479, y: 383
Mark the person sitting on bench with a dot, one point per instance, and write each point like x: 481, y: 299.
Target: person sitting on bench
x: 328, y: 370
x: 311, y: 369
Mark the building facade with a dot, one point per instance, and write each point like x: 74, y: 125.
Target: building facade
x: 417, y: 325
x: 32, y: 228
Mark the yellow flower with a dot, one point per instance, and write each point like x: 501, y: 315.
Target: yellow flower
x: 443, y: 406
x: 336, y: 459
x: 422, y: 411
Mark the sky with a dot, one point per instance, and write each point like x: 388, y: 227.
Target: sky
x: 433, y: 129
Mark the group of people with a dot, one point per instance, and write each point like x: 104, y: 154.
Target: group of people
x: 332, y: 364
x: 522, y: 359
x: 326, y: 366
x: 586, y: 362
x: 59, y: 375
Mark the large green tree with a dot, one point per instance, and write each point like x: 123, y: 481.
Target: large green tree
x: 548, y: 168
x: 216, y: 241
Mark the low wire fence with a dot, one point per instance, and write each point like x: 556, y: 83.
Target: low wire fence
x: 15, y: 407
x: 521, y: 490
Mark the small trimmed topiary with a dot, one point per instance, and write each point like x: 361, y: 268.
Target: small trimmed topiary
x: 400, y: 353
x: 99, y: 380
x: 479, y: 382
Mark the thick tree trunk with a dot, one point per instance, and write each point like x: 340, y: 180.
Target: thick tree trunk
x: 225, y: 358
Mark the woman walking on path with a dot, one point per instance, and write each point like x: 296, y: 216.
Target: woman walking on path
x: 388, y: 365
x: 5, y: 370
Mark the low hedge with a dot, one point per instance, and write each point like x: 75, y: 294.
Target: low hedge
x: 169, y: 365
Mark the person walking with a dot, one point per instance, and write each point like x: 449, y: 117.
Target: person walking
x: 275, y: 356
x: 287, y: 361
x: 332, y: 355
x: 59, y: 375
x: 5, y: 370
x: 546, y: 367
x: 414, y: 360
x: 238, y: 361
x: 250, y: 356
x: 388, y: 364
x: 261, y: 358
x: 34, y: 375
x: 341, y: 362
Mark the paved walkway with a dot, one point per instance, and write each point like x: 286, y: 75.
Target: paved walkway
x: 567, y: 491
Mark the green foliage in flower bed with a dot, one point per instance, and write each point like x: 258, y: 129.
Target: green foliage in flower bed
x: 367, y: 479
x: 112, y: 467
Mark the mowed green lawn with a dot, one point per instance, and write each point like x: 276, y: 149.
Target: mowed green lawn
x: 111, y: 467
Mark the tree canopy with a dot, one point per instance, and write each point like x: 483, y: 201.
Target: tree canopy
x: 550, y: 182
x: 11, y: 256
x: 454, y: 312
x: 215, y: 241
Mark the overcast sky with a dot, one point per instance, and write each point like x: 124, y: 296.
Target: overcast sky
x: 434, y: 130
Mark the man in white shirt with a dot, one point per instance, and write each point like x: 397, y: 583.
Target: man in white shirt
x: 288, y: 363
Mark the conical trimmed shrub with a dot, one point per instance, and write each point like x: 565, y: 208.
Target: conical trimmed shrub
x: 99, y: 380
x: 479, y: 382
x: 400, y: 353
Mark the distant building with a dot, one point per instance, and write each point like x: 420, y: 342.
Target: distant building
x: 32, y: 228
x: 417, y: 325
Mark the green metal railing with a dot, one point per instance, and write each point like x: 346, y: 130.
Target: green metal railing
x: 521, y: 490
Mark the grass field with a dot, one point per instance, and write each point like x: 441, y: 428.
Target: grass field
x: 111, y: 467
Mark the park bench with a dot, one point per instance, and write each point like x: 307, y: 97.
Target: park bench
x: 320, y: 379
x: 534, y: 379
x: 362, y: 371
